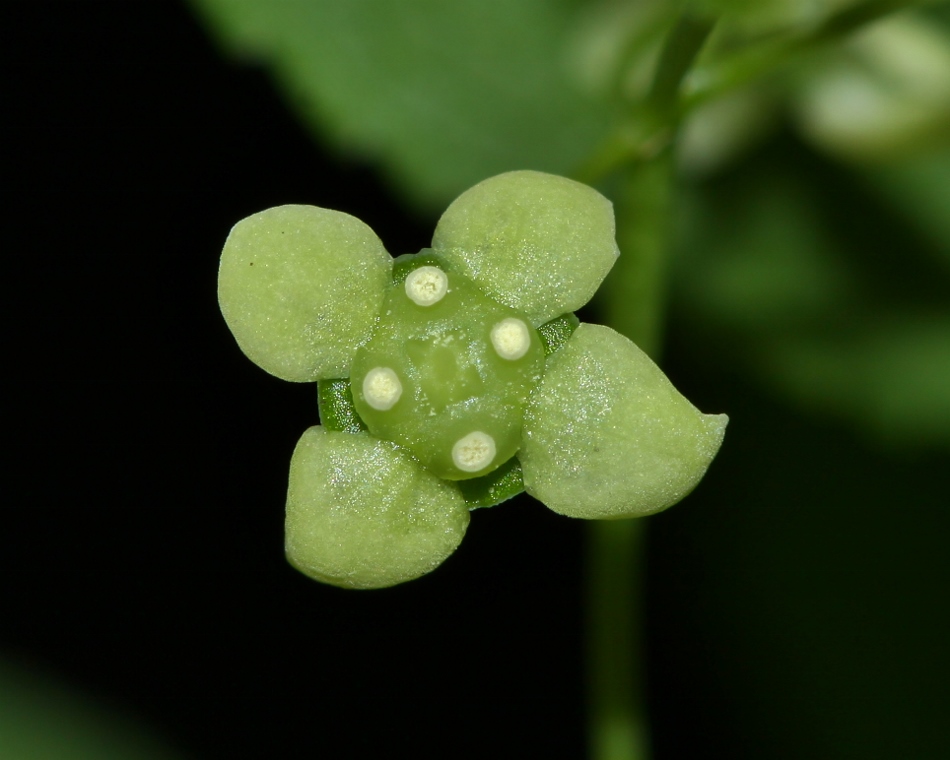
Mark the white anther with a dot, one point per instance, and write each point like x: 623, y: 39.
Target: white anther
x: 381, y: 388
x: 426, y: 285
x: 474, y: 452
x: 511, y: 338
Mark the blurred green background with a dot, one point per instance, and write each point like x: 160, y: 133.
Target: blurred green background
x: 796, y: 603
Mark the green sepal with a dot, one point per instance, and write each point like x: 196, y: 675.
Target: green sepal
x: 492, y: 489
x: 335, y: 404
x: 555, y: 333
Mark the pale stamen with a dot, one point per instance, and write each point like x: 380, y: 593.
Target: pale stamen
x: 426, y: 285
x: 511, y: 338
x: 474, y: 452
x: 381, y: 388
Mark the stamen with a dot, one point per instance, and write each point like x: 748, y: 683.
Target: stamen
x: 381, y: 388
x: 511, y: 338
x: 426, y: 285
x: 474, y: 452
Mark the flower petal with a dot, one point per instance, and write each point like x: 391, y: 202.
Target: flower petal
x: 606, y: 435
x: 536, y: 242
x: 300, y: 287
x: 361, y: 514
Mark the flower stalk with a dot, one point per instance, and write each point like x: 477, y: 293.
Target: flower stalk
x: 633, y: 301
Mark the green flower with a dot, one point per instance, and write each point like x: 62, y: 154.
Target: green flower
x: 456, y: 377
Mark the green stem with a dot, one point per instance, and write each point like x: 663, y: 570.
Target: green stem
x: 634, y: 301
x: 679, y: 53
x: 652, y: 122
x: 638, y: 160
x: 633, y: 298
x: 649, y: 129
x: 618, y: 725
x: 757, y: 60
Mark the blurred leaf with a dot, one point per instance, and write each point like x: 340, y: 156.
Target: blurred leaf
x: 718, y: 131
x: 920, y: 187
x: 767, y: 15
x: 442, y: 94
x: 884, y: 91
x: 822, y: 296
x: 41, y: 719
x: 760, y: 261
x: 895, y: 380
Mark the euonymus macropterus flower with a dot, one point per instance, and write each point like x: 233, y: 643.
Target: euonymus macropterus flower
x: 456, y: 377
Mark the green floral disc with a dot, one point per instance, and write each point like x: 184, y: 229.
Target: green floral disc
x: 447, y: 373
x: 338, y: 412
x: 539, y: 243
x: 363, y: 514
x: 300, y: 288
x: 606, y: 435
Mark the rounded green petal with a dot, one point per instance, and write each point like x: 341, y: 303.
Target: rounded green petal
x: 537, y: 242
x: 362, y: 514
x: 606, y: 434
x: 300, y: 287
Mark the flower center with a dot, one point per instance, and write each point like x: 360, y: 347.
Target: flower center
x: 447, y: 372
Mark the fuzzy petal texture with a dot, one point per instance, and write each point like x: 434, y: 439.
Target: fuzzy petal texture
x: 362, y: 514
x: 606, y: 435
x: 537, y: 242
x: 300, y: 287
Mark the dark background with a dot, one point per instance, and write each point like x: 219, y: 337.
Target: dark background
x: 141, y: 555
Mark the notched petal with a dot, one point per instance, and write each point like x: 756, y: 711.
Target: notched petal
x: 606, y: 434
x: 300, y: 287
x: 537, y: 242
x: 361, y: 514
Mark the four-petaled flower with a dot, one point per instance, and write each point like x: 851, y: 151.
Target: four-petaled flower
x: 456, y: 377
